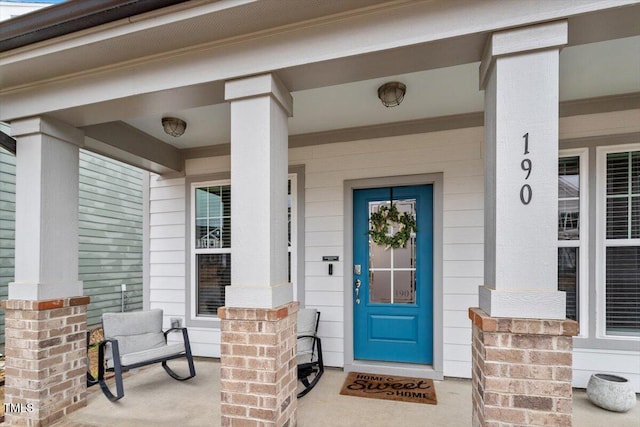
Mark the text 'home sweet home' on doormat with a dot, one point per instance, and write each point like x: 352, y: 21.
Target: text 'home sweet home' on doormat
x: 404, y: 389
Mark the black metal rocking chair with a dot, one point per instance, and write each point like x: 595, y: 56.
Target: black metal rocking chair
x: 136, y: 339
x: 310, y: 364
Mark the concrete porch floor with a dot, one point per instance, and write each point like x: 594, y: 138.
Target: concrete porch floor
x: 152, y: 398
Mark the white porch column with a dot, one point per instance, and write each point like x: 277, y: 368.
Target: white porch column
x: 522, y: 342
x: 45, y: 315
x: 520, y: 74
x: 260, y: 106
x: 258, y: 339
x: 46, y: 210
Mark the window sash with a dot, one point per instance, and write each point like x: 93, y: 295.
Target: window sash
x: 209, y: 280
x: 212, y: 216
x: 574, y: 236
x: 618, y: 249
x: 577, y: 293
x: 207, y: 310
x: 623, y: 290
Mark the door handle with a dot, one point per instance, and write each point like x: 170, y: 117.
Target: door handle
x: 357, y: 287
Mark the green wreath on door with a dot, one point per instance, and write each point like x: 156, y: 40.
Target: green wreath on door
x: 380, y: 222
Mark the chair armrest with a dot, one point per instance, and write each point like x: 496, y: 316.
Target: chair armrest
x: 185, y: 334
x: 115, y: 355
x: 105, y: 341
x: 168, y: 331
x: 115, y: 349
x: 315, y: 344
x: 308, y: 336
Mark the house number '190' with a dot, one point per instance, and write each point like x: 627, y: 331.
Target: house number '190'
x: 525, y: 191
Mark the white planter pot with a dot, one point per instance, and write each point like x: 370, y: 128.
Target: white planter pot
x: 611, y: 392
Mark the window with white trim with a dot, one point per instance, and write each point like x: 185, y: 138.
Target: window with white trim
x: 620, y: 189
x: 572, y: 232
x: 210, y: 243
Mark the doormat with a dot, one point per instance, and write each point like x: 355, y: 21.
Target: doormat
x: 404, y: 389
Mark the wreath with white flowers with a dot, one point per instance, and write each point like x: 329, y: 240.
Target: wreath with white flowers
x: 386, y: 216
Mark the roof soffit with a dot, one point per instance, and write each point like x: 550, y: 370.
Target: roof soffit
x: 195, y: 24
x: 167, y: 31
x: 421, y: 28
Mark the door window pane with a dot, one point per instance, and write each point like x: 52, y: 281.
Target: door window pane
x: 405, y: 286
x: 379, y: 256
x: 392, y: 271
x: 380, y: 287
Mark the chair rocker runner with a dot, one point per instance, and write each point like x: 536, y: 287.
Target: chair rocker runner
x: 135, y: 339
x: 310, y: 364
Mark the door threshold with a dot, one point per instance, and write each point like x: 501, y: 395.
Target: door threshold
x: 391, y: 368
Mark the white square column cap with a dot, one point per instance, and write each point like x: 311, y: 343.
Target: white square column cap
x: 549, y: 35
x: 261, y: 85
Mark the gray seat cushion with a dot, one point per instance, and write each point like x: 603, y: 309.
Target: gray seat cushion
x: 139, y: 335
x: 153, y: 353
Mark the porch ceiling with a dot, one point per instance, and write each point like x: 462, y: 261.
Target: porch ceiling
x: 586, y: 71
x: 333, y: 82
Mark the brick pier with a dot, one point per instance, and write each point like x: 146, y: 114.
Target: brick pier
x: 258, y: 366
x: 521, y: 371
x: 46, y: 359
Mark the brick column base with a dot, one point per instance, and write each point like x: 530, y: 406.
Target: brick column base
x: 46, y: 359
x: 521, y: 371
x: 258, y: 366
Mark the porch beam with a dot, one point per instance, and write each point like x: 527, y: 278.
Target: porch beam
x: 520, y: 75
x: 124, y: 142
x: 306, y: 55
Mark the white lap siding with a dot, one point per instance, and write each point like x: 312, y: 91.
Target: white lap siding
x: 167, y: 260
x: 458, y: 155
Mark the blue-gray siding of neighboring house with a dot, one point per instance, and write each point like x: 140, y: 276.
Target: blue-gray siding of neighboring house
x: 110, y: 233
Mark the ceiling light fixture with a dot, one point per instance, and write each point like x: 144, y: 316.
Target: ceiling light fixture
x: 391, y: 94
x: 173, y: 126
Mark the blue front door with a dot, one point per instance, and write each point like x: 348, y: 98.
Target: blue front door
x: 393, y: 288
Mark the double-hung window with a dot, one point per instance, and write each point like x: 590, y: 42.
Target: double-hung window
x: 619, y: 240
x: 572, y: 232
x: 210, y: 244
